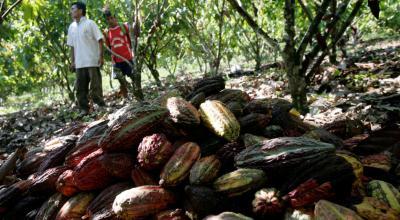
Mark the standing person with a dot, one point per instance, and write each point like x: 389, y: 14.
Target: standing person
x: 86, y: 42
x: 118, y: 39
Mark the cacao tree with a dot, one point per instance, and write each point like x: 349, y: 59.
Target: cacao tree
x: 303, y: 53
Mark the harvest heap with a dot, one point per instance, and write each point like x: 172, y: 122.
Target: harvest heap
x: 216, y: 154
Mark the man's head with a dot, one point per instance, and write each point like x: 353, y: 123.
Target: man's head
x: 110, y: 18
x: 78, y: 9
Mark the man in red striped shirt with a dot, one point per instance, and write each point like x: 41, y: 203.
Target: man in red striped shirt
x: 118, y: 40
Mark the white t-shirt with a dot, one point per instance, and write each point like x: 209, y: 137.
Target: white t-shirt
x: 84, y: 37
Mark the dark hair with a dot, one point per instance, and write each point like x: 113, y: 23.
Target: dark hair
x: 107, y: 13
x: 80, y: 5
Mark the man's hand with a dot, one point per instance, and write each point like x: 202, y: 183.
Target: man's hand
x: 72, y: 67
x: 101, y: 61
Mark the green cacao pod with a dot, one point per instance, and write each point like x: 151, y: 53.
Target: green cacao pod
x: 178, y: 166
x: 240, y: 181
x: 372, y: 209
x: 285, y: 152
x: 220, y: 120
x: 385, y: 192
x: 204, y: 170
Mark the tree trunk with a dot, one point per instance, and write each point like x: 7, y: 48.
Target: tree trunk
x: 333, y: 55
x: 297, y: 83
x: 298, y: 86
x: 156, y: 75
x: 220, y: 43
x: 137, y: 78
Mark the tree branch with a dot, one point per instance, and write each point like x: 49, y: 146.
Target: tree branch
x: 313, y: 28
x: 336, y: 38
x: 254, y: 25
x: 306, y: 10
x: 3, y: 16
x: 317, y: 48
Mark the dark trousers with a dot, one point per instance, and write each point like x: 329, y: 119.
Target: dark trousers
x: 126, y: 70
x: 84, y: 76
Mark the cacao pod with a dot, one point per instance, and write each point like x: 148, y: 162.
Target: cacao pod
x: 142, y: 201
x: 201, y: 201
x: 384, y: 192
x: 240, y: 181
x: 128, y: 130
x: 76, y: 155
x: 173, y: 214
x: 182, y: 112
x: 228, y: 216
x: 141, y: 178
x: 254, y: 122
x: 219, y: 120
x: 65, y: 184
x: 267, y: 202
x: 282, y: 153
x: 56, y: 156
x: 154, y: 151
x: 178, y: 166
x: 328, y: 210
x: 204, y: 170
x: 230, y: 95
x: 373, y: 209
x: 118, y: 165
x: 208, y: 86
x: 101, y: 206
x: 45, y: 183
x: 198, y: 99
x: 49, y: 209
x: 90, y: 174
x: 75, y: 207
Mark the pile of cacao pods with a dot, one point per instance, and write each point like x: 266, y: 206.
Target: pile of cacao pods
x: 214, y: 154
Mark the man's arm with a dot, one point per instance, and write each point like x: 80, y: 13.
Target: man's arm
x: 100, y: 38
x: 72, y: 55
x: 101, y: 51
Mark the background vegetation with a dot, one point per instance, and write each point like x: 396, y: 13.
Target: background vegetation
x: 176, y: 37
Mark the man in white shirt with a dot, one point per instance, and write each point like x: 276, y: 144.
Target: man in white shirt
x: 86, y: 42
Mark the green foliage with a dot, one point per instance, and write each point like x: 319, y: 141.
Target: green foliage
x: 34, y: 54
